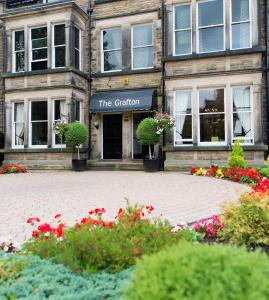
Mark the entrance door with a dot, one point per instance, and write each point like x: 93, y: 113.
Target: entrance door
x: 112, y: 136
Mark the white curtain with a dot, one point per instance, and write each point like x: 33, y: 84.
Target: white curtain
x: 63, y: 116
x: 19, y: 124
x: 183, y: 102
x: 241, y: 98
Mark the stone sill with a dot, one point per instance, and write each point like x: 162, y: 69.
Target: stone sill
x: 125, y: 72
x: 257, y: 49
x: 213, y: 148
x: 45, y: 72
x: 46, y: 150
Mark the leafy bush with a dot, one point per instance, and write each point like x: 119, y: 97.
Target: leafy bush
x: 247, y: 223
x: 264, y: 172
x: 42, y: 279
x: 236, y: 158
x: 196, y: 272
x: 94, y: 244
x: 76, y: 134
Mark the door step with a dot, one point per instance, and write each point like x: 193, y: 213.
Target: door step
x: 114, y: 165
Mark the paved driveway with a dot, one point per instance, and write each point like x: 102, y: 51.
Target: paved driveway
x: 176, y: 196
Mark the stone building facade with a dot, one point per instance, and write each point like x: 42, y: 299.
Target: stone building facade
x: 111, y: 63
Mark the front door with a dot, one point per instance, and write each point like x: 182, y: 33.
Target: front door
x: 112, y: 136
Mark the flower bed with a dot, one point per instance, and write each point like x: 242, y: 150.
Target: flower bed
x: 11, y: 169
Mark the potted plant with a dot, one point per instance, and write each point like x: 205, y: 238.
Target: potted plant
x: 76, y: 135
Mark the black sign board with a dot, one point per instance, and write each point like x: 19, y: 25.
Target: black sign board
x: 122, y: 101
x: 15, y: 3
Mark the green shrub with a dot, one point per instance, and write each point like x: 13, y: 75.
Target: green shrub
x: 42, y: 279
x: 201, y: 272
x: 90, y: 247
x: 247, y: 222
x: 236, y: 158
x: 264, y: 172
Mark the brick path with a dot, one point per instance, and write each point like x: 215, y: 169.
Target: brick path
x: 178, y: 197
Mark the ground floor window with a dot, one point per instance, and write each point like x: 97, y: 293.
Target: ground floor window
x: 59, y: 116
x: 38, y: 123
x: 18, y: 125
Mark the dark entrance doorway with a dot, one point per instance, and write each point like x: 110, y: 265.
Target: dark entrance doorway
x: 112, y: 136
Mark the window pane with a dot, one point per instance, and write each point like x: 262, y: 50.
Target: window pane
x: 40, y: 65
x: 40, y: 43
x: 241, y: 35
x: 182, y: 17
x: 183, y: 102
x: 60, y: 57
x: 183, y: 42
x: 112, y: 39
x: 39, y: 133
x: 242, y: 124
x: 211, y: 101
x: 19, y: 40
x: 240, y: 10
x: 40, y: 54
x: 19, y: 134
x: 142, y: 35
x: 241, y: 99
x: 39, y: 111
x: 59, y: 34
x: 57, y: 110
x: 212, y: 128
x: 112, y: 60
x: 19, y: 61
x: 77, y: 38
x: 77, y: 59
x: 18, y: 112
x: 38, y: 33
x: 183, y: 128
x: 210, y: 13
x: 211, y: 39
x: 77, y: 116
x: 143, y: 57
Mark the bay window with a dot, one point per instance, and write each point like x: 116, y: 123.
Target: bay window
x: 211, y: 116
x: 18, y: 125
x: 210, y: 31
x: 78, y: 48
x: 142, y: 46
x: 240, y: 27
x: 183, y: 116
x: 182, y: 29
x: 58, y: 46
x: 38, y: 124
x: 18, y: 51
x: 111, y: 50
x: 38, y: 49
x: 242, y: 115
x: 59, y: 116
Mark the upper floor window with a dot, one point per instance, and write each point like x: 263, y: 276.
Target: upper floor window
x: 210, y: 26
x: 77, y: 48
x: 142, y: 46
x: 58, y: 46
x: 241, y: 29
x: 18, y: 51
x: 38, y: 49
x: 182, y: 29
x: 111, y: 50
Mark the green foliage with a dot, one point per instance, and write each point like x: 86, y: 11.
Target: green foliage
x: 247, y: 223
x: 236, y: 158
x: 147, y: 132
x: 200, y: 272
x: 42, y: 279
x: 76, y: 134
x: 9, y: 267
x: 95, y: 248
x: 264, y: 172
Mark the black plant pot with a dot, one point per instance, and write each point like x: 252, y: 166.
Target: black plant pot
x: 151, y: 165
x: 79, y: 165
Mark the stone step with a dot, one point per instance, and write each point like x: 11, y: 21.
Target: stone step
x: 116, y: 165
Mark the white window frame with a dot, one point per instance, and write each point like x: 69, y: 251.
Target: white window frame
x: 14, y: 146
x: 251, y: 115
x: 241, y: 22
x: 103, y: 51
x: 80, y: 47
x: 191, y: 114
x: 31, y: 49
x: 30, y: 124
x: 224, y: 143
x: 56, y: 46
x: 144, y: 46
x: 54, y: 145
x: 178, y: 30
x: 209, y: 26
x: 14, y: 65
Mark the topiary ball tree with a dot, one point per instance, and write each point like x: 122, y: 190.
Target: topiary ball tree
x: 147, y: 133
x: 76, y: 135
x: 201, y: 272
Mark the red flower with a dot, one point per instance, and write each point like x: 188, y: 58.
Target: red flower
x: 84, y: 221
x: 59, y: 230
x: 35, y: 234
x: 150, y: 208
x: 57, y: 216
x: 45, y: 228
x: 32, y: 220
